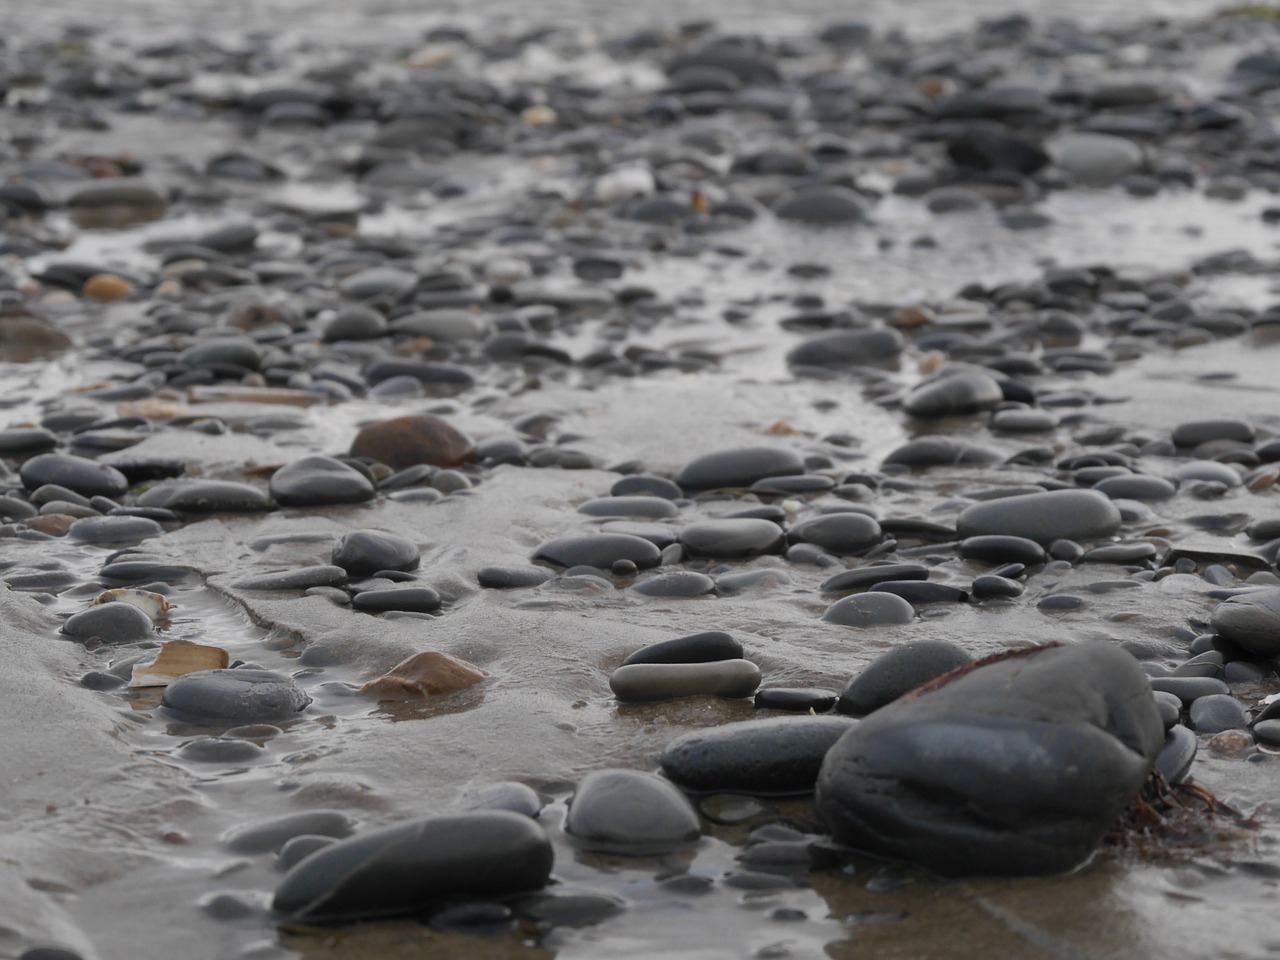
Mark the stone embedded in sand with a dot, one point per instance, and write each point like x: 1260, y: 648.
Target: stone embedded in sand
x: 232, y: 696
x: 1018, y: 767
x: 870, y: 610
x: 317, y: 481
x: 424, y: 675
x: 739, y: 467
x: 407, y: 867
x: 640, y: 682
x: 1252, y: 620
x: 631, y: 812
x: 1043, y: 517
x: 109, y: 623
x: 364, y: 552
x: 410, y: 440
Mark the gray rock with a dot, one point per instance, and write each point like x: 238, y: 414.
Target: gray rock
x: 1043, y: 517
x: 848, y: 349
x: 899, y: 671
x: 1019, y: 767
x: 413, y: 598
x: 1218, y: 712
x: 940, y: 452
x: 1096, y: 159
x: 822, y: 206
x: 364, y: 552
x: 303, y: 578
x: 110, y: 623
x: 952, y: 394
x: 739, y: 467
x: 631, y: 812
x: 774, y: 756
x: 234, y: 696
x: 319, y: 481
x: 407, y: 867
x: 1251, y: 620
x: 705, y: 647
x: 114, y: 529
x: 839, y: 533
x: 732, y: 538
x: 640, y: 682
x: 676, y: 583
x: 862, y: 578
x: 268, y: 836
x: 206, y: 496
x: 870, y: 610
x: 79, y: 474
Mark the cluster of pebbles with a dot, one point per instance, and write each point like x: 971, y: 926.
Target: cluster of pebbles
x: 336, y: 307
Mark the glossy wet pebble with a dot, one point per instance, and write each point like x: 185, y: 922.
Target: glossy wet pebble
x: 513, y: 578
x: 863, y: 578
x: 110, y: 623
x: 848, y: 350
x: 1179, y: 749
x: 114, y: 529
x: 1217, y: 712
x: 640, y: 682
x: 739, y: 467
x: 870, y: 610
x: 1190, y: 689
x: 899, y: 671
x: 407, y: 867
x: 319, y: 481
x: 1043, y: 517
x: 417, y: 599
x: 705, y: 647
x: 233, y: 696
x: 677, y: 583
x: 1251, y: 620
x: 631, y: 812
x: 1019, y: 767
x: 301, y: 578
x: 838, y: 533
x: 86, y: 477
x: 600, y: 550
x: 405, y: 441
x: 206, y: 496
x: 773, y: 756
x: 268, y: 836
x: 953, y: 394
x: 731, y: 538
x: 365, y: 552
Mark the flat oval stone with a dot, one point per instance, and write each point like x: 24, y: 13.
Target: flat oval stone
x: 25, y: 441
x: 1136, y: 487
x: 644, y: 508
x: 506, y: 795
x: 1208, y: 471
x: 1217, y: 712
x: 863, y: 578
x: 797, y: 699
x: 1096, y: 159
x: 513, y: 578
x: 379, y: 282
x: 1174, y: 761
x: 769, y: 757
x: 1019, y: 767
x: 953, y: 394
x: 405, y: 441
x: 661, y: 535
x: 732, y: 539
x: 1043, y: 517
x: 641, y: 682
x: 268, y: 836
x: 739, y: 467
x: 319, y: 481
x: 1190, y: 689
x: 631, y: 812
x: 848, y: 349
x: 415, y: 599
x: 676, y: 583
x: 822, y: 206
x: 990, y: 587
x: 114, y: 529
x: 206, y: 496
x: 899, y: 671
x: 940, y: 452
x: 643, y: 484
x: 839, y: 533
x: 222, y: 352
x: 303, y: 578
x: 1251, y: 620
x: 365, y: 552
x: 870, y: 610
x: 918, y: 592
x: 86, y: 477
x: 600, y: 550
x: 110, y: 623
x: 1196, y: 432
x: 234, y: 696
x: 407, y: 867
x: 999, y: 549
x: 1267, y: 732
x: 705, y: 647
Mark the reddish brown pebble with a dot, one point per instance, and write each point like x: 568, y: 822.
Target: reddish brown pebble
x: 54, y: 524
x: 175, y: 837
x: 1231, y: 743
x: 425, y: 674
x: 107, y: 288
x: 406, y: 441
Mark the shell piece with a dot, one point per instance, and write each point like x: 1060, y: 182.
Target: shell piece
x: 425, y: 674
x: 153, y: 605
x: 176, y: 659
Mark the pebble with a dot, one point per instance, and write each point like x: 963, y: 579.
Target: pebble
x: 846, y: 350
x: 822, y: 206
x: 415, y: 599
x: 405, y: 441
x: 302, y: 578
x: 955, y: 780
x: 1043, y: 517
x: 768, y: 757
x: 838, y: 533
x: 513, y: 578
x: 643, y: 508
x: 1179, y: 749
x: 109, y: 623
x: 630, y: 812
x: 989, y: 587
x: 506, y: 795
x: 897, y: 672
x: 1096, y: 159
x: 640, y: 682
x: 362, y: 553
x: 114, y: 529
x: 1217, y: 712
x: 268, y: 836
x: 1267, y: 732
x: 206, y: 496
x: 236, y: 696
x: 1251, y: 620
x: 796, y: 699
x: 870, y: 610
x: 940, y: 452
x: 732, y: 539
x: 1190, y: 689
x: 863, y: 578
x: 677, y: 583
x: 705, y: 647
x: 600, y: 550
x: 738, y: 467
x: 407, y: 867
x: 85, y: 477
x: 318, y: 481
x: 953, y: 393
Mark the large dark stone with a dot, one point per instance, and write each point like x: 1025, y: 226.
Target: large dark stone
x: 1019, y: 767
x: 1252, y: 620
x: 407, y: 867
x: 738, y: 468
x: 234, y: 696
x: 318, y: 481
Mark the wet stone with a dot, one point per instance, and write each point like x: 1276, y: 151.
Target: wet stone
x: 1251, y: 620
x: 919, y: 592
x: 412, y: 599
x: 738, y: 468
x: 732, y: 539
x: 897, y: 672
x: 109, y: 623
x: 85, y: 477
x: 407, y: 867
x: 639, y: 507
x: 953, y: 394
x: 1190, y: 689
x: 26, y: 441
x: 268, y: 836
x: 406, y: 441
x: 641, y: 682
x: 773, y: 756
x: 838, y: 533
x: 870, y: 610
x: 318, y: 481
x: 677, y: 583
x: 206, y: 496
x: 1136, y: 487
x: 218, y: 750
x: 822, y: 206
x: 513, y: 578
x: 631, y: 812
x: 796, y: 699
x: 706, y: 647
x: 233, y: 696
x: 365, y: 552
x: 1179, y: 749
x: 114, y: 529
x: 645, y: 485
x: 569, y: 909
x: 847, y: 350
x: 863, y: 578
x: 1217, y: 712
x: 507, y: 795
x: 1267, y: 732
x: 303, y: 578
x: 990, y: 587
x: 1018, y: 767
x: 1196, y: 432
x: 1169, y: 705
x: 940, y: 452
x: 601, y: 550
x: 1043, y: 517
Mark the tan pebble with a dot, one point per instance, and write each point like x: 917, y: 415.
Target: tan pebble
x: 107, y: 288
x: 425, y: 674
x: 1264, y: 481
x: 931, y: 361
x: 54, y: 524
x: 1231, y: 743
x: 906, y: 318
x: 538, y: 116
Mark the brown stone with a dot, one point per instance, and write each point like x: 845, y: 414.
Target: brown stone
x: 1231, y: 743
x: 54, y: 524
x: 23, y: 339
x: 423, y: 675
x: 406, y: 441
x: 107, y: 288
